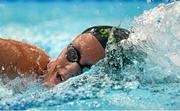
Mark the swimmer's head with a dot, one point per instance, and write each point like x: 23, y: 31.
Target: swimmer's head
x: 60, y: 70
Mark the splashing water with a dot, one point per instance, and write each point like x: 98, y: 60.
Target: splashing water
x: 151, y: 81
x: 157, y: 33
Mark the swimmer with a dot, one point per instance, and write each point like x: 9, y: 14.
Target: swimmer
x: 84, y: 51
x: 21, y: 59
x: 18, y: 58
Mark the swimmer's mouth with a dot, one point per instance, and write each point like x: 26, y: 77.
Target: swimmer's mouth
x: 59, y: 77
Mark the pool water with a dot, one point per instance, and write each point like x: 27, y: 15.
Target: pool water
x: 53, y: 25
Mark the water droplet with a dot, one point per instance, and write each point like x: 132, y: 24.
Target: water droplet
x: 3, y: 68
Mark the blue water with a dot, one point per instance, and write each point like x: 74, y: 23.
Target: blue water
x: 53, y: 25
x: 46, y: 23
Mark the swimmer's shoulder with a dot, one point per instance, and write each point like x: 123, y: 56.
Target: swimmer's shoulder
x: 22, y: 44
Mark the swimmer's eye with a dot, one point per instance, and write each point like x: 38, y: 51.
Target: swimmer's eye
x: 59, y: 76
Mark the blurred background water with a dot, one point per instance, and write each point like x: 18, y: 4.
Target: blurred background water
x: 48, y: 24
x: 52, y: 25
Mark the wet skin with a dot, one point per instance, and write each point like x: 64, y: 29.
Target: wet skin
x: 17, y: 58
x: 61, y: 69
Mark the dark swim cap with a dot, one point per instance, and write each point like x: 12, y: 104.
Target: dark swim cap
x: 102, y: 33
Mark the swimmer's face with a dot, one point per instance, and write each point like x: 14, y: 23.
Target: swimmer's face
x: 60, y: 70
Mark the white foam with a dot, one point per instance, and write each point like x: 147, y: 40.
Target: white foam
x: 157, y: 33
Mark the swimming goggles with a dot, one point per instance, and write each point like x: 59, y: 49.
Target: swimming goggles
x: 73, y: 55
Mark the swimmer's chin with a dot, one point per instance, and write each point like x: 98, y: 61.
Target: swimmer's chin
x: 50, y: 82
x: 48, y: 85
